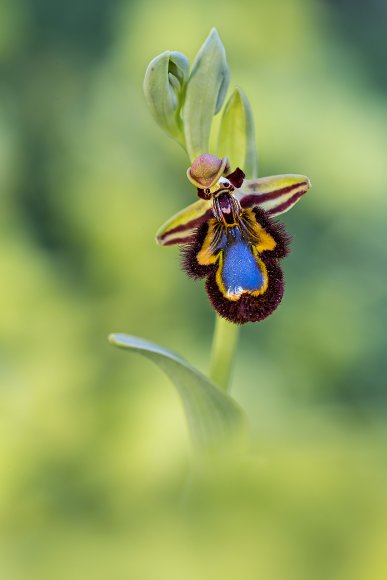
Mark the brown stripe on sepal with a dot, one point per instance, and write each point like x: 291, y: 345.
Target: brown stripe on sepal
x: 186, y: 227
x: 286, y: 204
x: 250, y: 200
x: 179, y: 241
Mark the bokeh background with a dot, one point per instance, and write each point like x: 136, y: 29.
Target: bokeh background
x: 93, y: 445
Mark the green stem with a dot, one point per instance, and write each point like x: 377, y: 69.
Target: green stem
x: 222, y: 353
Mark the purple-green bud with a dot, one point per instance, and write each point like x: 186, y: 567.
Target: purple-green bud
x: 206, y: 170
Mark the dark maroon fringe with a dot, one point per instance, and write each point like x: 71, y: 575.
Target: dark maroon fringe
x: 278, y: 232
x: 189, y: 252
x: 248, y: 308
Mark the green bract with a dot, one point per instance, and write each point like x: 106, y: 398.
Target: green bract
x: 206, y: 91
x: 236, y: 134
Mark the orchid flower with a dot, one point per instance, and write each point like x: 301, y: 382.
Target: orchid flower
x: 230, y: 238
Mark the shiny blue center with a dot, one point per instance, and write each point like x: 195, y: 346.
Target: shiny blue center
x: 240, y: 270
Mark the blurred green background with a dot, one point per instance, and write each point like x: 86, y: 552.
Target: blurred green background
x: 93, y: 446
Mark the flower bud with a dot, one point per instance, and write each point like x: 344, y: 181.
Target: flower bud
x: 164, y: 85
x: 206, y: 170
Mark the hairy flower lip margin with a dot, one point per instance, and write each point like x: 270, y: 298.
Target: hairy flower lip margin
x: 205, y: 257
x: 274, y: 194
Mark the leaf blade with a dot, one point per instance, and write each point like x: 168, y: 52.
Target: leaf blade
x: 214, y: 419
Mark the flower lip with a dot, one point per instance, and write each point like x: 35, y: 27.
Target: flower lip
x: 206, y: 170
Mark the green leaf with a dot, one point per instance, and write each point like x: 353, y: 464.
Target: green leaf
x: 205, y: 94
x: 214, y: 419
x: 164, y: 87
x: 237, y: 136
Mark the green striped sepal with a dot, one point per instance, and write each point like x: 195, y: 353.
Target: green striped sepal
x: 275, y: 195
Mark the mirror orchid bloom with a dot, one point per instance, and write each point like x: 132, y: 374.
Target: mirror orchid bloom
x: 230, y: 237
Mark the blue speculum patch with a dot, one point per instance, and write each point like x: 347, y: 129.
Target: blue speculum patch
x: 240, y: 270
